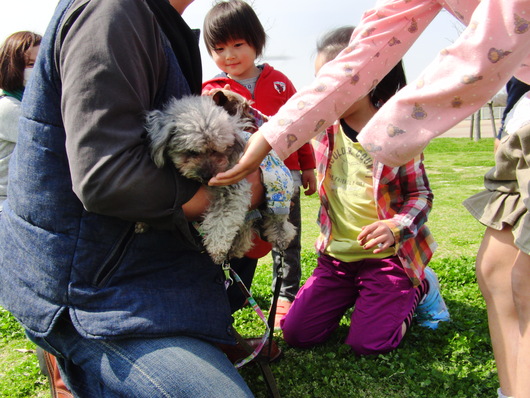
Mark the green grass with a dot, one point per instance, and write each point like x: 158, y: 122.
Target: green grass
x: 19, y: 371
x: 453, y: 361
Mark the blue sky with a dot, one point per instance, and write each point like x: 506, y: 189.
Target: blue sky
x: 292, y: 26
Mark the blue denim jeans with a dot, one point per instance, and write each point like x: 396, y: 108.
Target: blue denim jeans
x: 179, y: 366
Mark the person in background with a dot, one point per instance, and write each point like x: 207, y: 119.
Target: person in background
x: 374, y: 245
x: 235, y: 38
x: 126, y: 313
x: 518, y: 116
x: 515, y: 89
x: 17, y: 56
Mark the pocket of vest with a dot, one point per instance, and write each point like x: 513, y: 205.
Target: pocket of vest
x: 113, y: 261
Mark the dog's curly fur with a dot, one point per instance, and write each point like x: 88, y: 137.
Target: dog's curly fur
x: 201, y: 139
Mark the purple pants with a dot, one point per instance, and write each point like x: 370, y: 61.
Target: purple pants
x: 379, y: 289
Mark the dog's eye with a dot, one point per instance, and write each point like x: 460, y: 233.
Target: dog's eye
x: 194, y: 153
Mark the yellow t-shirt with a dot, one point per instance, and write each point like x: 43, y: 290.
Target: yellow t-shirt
x: 349, y: 186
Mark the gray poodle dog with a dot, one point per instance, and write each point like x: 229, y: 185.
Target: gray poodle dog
x: 201, y: 138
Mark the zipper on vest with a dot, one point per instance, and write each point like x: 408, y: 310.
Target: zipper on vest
x: 110, y: 266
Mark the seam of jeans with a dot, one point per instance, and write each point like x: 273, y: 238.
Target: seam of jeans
x: 119, y: 353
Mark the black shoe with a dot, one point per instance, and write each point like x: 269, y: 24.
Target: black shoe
x: 235, y: 353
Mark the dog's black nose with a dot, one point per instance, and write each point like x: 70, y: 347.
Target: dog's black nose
x: 208, y: 171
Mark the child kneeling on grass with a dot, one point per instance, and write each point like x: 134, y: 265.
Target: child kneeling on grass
x: 374, y: 244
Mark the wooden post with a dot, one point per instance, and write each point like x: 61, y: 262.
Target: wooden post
x: 478, y: 125
x: 472, y: 126
x: 474, y: 133
x: 490, y: 105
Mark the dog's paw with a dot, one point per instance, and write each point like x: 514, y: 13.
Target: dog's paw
x: 278, y: 231
x: 287, y: 234
x: 243, y: 241
x: 224, y: 218
x: 218, y: 257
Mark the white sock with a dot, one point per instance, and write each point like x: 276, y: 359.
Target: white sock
x: 501, y: 395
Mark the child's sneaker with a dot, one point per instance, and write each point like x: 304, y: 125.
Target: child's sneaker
x: 501, y: 395
x: 282, y: 309
x: 432, y: 309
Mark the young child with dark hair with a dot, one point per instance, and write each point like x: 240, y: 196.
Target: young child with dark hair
x: 374, y: 245
x: 235, y: 38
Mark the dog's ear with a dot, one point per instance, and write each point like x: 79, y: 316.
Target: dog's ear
x: 220, y: 99
x: 228, y: 102
x: 159, y: 134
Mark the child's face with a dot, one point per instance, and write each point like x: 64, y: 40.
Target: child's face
x: 31, y: 55
x: 236, y: 58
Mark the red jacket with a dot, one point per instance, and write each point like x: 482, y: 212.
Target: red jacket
x: 272, y: 90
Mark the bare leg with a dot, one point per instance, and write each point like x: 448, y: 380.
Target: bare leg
x: 495, y: 260
x: 521, y: 295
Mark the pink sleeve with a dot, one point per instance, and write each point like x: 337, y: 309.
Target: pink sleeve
x: 460, y: 80
x: 379, y: 42
x: 463, y: 77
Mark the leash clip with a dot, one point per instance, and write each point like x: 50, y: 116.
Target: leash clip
x: 279, y: 266
x: 228, y: 278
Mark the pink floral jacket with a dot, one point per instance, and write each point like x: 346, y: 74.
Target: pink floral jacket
x: 464, y: 76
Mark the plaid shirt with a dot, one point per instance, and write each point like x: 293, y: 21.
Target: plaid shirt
x: 403, y: 199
